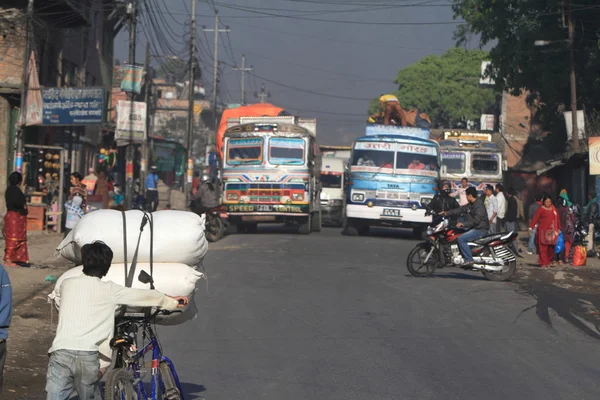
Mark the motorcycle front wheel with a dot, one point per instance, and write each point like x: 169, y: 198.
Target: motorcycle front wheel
x: 416, y: 260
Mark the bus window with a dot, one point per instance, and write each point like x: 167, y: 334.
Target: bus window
x: 373, y: 158
x: 485, y: 163
x: 416, y: 161
x: 454, y: 162
x: 244, y: 151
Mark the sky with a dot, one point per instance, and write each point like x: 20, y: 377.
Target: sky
x: 326, y: 59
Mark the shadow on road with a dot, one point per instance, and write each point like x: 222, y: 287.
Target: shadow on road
x: 193, y: 390
x: 445, y: 274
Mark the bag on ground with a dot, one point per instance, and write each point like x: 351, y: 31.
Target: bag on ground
x: 178, y: 236
x: 169, y: 278
x: 579, y: 256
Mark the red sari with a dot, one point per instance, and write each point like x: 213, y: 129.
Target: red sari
x: 546, y: 219
x: 15, y: 238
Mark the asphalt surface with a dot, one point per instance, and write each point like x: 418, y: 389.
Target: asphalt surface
x: 324, y: 316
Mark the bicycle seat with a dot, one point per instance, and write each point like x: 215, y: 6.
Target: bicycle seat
x: 121, y: 341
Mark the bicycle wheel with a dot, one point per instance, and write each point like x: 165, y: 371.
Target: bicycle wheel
x: 171, y: 391
x: 119, y: 386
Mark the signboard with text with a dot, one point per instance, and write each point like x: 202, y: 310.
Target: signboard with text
x: 131, y: 122
x: 132, y: 78
x: 72, y: 106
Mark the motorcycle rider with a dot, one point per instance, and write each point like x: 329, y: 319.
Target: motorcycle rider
x: 477, y: 223
x: 443, y: 201
x: 206, y: 197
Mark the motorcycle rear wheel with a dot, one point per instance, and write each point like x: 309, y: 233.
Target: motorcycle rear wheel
x: 507, y: 271
x: 417, y: 256
x: 215, y: 228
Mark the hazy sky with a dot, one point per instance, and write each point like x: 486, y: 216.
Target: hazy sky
x: 330, y: 70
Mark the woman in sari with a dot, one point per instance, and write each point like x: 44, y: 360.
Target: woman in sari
x: 548, y: 222
x: 15, y: 224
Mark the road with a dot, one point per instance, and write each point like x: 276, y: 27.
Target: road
x: 285, y: 316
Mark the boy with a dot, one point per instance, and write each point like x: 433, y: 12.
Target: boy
x: 74, y: 213
x: 86, y: 322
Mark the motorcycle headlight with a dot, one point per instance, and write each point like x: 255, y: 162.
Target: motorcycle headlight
x: 358, y: 197
x: 429, y: 231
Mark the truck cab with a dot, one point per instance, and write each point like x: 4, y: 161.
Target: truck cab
x: 333, y: 173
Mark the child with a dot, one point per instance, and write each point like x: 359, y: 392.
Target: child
x: 74, y: 213
x: 86, y: 323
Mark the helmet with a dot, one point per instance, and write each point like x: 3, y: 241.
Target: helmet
x: 448, y: 190
x: 205, y: 178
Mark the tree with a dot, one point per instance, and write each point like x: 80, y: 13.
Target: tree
x: 512, y: 26
x: 445, y: 87
x: 173, y: 69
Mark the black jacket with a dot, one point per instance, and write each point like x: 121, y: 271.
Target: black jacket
x: 442, y: 202
x: 511, y: 209
x: 476, y: 215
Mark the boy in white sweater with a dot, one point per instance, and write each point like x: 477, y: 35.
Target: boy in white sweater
x: 87, y: 320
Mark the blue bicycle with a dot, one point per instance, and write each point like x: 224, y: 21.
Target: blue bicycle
x: 124, y: 381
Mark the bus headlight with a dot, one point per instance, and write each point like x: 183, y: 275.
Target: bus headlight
x: 232, y: 196
x: 298, y: 196
x: 358, y: 197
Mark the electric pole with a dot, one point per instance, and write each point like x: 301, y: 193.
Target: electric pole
x: 216, y: 30
x: 573, y: 82
x: 131, y: 11
x: 190, y: 127
x: 145, y: 153
x: 243, y: 70
x: 263, y: 94
x: 20, y: 145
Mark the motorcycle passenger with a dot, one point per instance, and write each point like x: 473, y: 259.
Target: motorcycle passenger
x: 477, y: 222
x: 443, y: 201
x: 206, y: 198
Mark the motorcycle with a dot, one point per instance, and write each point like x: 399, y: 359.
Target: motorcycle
x: 494, y: 254
x: 215, y: 224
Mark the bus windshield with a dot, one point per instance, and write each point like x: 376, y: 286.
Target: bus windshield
x: 373, y: 158
x: 454, y: 162
x: 286, y: 151
x: 244, y: 151
x: 485, y: 164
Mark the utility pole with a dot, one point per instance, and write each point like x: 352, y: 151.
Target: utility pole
x: 131, y: 11
x: 244, y: 70
x: 20, y: 145
x: 216, y: 30
x: 145, y: 153
x: 263, y: 94
x: 573, y: 83
x: 190, y: 127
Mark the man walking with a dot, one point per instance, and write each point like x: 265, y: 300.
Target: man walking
x: 5, y: 317
x: 491, y: 206
x: 501, y: 207
x: 533, y: 207
x: 511, y: 215
x: 152, y: 190
x: 477, y: 222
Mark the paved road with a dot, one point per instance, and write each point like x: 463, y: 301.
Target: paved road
x: 325, y: 316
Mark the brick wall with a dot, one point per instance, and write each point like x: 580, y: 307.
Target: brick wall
x: 11, y: 49
x: 516, y: 126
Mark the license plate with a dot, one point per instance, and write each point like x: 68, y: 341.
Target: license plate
x: 391, y: 212
x: 264, y: 208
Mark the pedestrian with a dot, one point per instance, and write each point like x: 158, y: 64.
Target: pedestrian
x: 74, y: 213
x: 491, y: 206
x: 567, y: 224
x: 511, y: 216
x: 102, y: 188
x: 90, y: 180
x: 152, y: 190
x: 86, y: 322
x: 77, y: 187
x: 533, y: 207
x: 501, y: 208
x: 195, y: 182
x: 548, y: 223
x: 477, y: 223
x: 15, y: 224
x: 591, y: 213
x: 461, y: 192
x: 5, y: 318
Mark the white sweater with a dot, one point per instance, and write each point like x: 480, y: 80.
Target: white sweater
x: 86, y: 318
x: 501, y: 205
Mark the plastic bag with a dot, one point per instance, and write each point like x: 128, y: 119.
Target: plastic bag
x: 560, y: 244
x: 579, y: 256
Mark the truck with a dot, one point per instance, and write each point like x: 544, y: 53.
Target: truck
x: 472, y: 155
x: 333, y: 177
x: 335, y: 151
x: 393, y: 175
x: 271, y: 173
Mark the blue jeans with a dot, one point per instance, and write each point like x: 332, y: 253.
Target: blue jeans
x: 72, y: 370
x: 531, y: 246
x: 463, y: 242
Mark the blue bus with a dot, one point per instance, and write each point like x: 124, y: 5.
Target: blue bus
x: 393, y: 173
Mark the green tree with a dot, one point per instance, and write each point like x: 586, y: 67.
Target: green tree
x: 445, y: 87
x: 513, y: 26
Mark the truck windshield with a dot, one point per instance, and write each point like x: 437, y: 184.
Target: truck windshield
x: 485, y: 164
x: 331, y: 180
x: 373, y: 158
x: 454, y: 162
x: 244, y: 151
x: 286, y: 151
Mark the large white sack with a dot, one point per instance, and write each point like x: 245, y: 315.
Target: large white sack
x: 178, y: 236
x: 169, y: 278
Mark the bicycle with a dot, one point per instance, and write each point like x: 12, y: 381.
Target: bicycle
x: 124, y: 381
